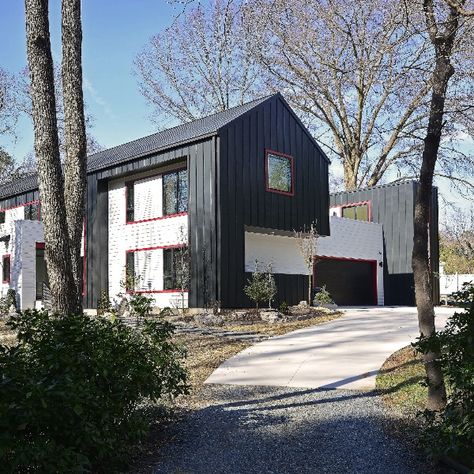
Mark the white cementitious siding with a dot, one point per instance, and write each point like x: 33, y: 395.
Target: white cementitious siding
x: 167, y: 231
x: 349, y: 239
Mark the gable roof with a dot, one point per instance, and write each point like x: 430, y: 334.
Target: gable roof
x: 190, y: 131
x: 175, y: 136
x: 19, y: 186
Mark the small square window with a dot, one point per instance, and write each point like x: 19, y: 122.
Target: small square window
x: 279, y: 173
x: 358, y: 212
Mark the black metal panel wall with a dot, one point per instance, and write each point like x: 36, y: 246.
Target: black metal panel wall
x: 200, y: 160
x: 19, y: 200
x: 393, y: 207
x: 243, y: 196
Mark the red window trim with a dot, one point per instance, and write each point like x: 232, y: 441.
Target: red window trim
x: 7, y: 256
x: 367, y: 260
x: 354, y: 204
x: 40, y: 245
x: 36, y: 201
x: 133, y: 181
x: 277, y: 191
x: 158, y: 247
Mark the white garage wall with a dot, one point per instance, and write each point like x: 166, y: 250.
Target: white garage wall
x: 349, y: 239
x: 147, y: 236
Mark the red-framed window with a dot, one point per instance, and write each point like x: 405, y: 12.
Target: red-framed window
x: 169, y: 259
x: 6, y: 268
x: 279, y: 173
x: 174, y: 192
x: 360, y: 211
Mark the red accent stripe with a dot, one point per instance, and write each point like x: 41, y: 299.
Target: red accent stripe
x: 40, y: 245
x: 175, y: 246
x: 157, y: 291
x: 20, y: 205
x: 157, y: 218
x: 276, y: 191
x: 354, y: 204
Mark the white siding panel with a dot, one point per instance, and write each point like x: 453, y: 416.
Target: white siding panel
x: 160, y: 232
x: 279, y: 251
x: 148, y: 198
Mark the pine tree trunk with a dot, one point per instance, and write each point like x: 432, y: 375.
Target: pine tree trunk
x: 421, y: 267
x: 75, y: 169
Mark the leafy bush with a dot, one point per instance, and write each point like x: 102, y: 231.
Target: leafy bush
x: 71, y: 390
x: 322, y: 297
x: 284, y: 308
x: 261, y: 287
x: 451, y: 432
x: 8, y: 301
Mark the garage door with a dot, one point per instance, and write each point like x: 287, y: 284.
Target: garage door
x: 350, y: 282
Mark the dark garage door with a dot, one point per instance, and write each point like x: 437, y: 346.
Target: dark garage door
x: 350, y: 282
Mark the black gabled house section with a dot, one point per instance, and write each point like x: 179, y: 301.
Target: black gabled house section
x: 227, y: 189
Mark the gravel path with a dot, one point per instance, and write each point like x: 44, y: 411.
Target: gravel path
x: 286, y: 430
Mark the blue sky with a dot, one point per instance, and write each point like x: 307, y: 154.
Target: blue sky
x: 114, y: 31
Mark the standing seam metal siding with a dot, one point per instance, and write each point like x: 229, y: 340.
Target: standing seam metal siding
x: 200, y: 160
x: 244, y: 200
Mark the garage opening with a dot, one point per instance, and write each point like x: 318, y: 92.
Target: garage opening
x: 350, y: 282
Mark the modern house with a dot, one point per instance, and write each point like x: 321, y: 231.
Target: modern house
x: 233, y: 187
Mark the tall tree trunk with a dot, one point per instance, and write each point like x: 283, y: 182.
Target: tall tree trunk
x: 443, y: 71
x: 64, y: 291
x: 75, y: 168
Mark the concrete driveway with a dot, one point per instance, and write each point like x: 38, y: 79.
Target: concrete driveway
x: 344, y: 353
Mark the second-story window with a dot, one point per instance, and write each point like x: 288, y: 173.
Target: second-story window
x: 359, y: 212
x: 279, y: 173
x: 32, y: 212
x: 2, y: 217
x: 175, y: 192
x: 130, y: 201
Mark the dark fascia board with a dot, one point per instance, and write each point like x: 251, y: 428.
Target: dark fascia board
x: 408, y: 182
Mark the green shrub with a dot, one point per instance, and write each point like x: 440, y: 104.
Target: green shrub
x: 451, y: 432
x: 284, y: 308
x: 261, y: 287
x: 71, y: 390
x: 322, y: 297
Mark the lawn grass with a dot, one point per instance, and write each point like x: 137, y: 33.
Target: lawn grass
x: 400, y: 381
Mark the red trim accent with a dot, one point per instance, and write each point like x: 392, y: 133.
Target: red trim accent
x: 5, y: 257
x: 157, y: 218
x: 277, y: 191
x: 160, y: 247
x: 40, y: 245
x: 36, y: 201
x: 354, y: 204
x: 157, y: 291
x: 372, y: 262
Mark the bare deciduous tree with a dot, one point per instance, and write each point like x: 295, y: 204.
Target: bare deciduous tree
x: 200, y: 65
x: 358, y: 72
x: 308, y: 244
x: 443, y: 26
x: 62, y: 195
x: 9, y: 107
